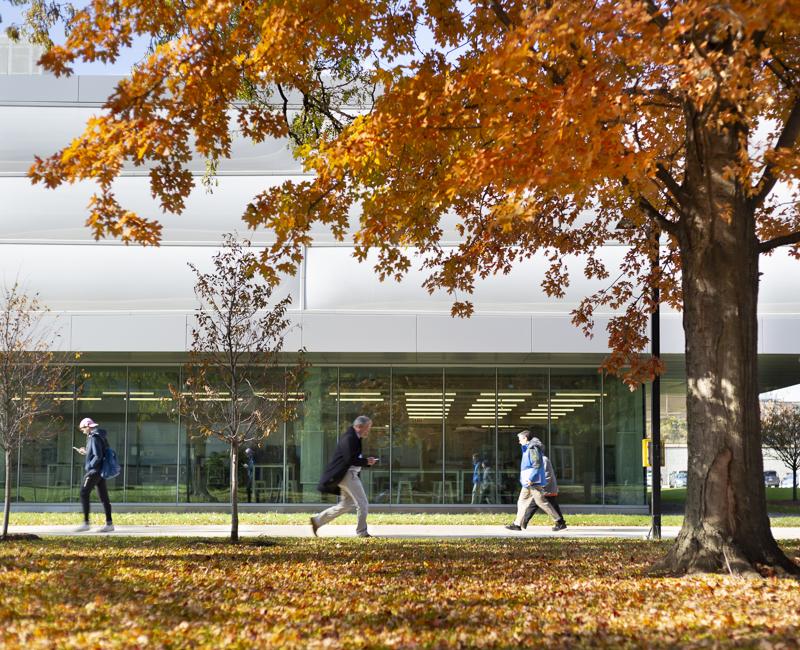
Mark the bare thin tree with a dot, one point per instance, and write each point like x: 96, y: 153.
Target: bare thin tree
x: 780, y: 431
x: 31, y: 374
x: 236, y: 389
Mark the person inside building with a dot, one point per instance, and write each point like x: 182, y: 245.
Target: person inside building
x: 250, y: 468
x: 477, y: 479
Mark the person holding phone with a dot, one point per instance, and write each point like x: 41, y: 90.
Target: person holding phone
x: 342, y: 477
x: 95, y: 449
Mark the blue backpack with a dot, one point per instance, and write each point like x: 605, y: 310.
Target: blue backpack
x: 110, y: 468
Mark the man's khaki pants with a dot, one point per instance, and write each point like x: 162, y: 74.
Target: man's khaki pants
x: 535, y: 494
x: 352, y: 497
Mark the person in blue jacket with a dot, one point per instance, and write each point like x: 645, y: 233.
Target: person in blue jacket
x: 477, y: 479
x: 533, y: 481
x: 95, y: 449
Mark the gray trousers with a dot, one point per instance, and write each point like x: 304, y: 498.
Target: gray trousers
x: 535, y: 494
x: 352, y: 497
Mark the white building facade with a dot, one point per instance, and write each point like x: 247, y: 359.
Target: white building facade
x: 441, y: 391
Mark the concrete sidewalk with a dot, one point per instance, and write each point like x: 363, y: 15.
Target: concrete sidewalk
x: 392, y: 531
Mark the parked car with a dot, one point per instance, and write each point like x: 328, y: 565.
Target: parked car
x: 771, y: 478
x: 786, y: 481
x: 678, y: 479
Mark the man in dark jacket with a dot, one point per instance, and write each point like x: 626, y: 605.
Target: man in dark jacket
x: 341, y: 476
x: 95, y: 449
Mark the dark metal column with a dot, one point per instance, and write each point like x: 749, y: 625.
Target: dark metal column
x: 655, y: 413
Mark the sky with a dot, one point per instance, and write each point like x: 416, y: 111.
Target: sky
x: 12, y: 15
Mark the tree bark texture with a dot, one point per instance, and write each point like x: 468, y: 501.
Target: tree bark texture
x: 234, y: 492
x: 726, y: 526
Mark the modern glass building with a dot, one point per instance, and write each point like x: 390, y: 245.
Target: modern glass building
x: 430, y: 422
x: 443, y: 393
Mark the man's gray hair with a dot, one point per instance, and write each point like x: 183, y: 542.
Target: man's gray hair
x: 361, y: 420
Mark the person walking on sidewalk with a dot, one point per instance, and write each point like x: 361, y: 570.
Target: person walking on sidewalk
x: 550, y: 493
x: 341, y: 476
x: 532, y: 478
x: 95, y: 449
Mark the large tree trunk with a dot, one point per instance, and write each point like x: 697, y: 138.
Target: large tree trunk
x: 726, y: 526
x: 234, y: 492
x: 7, y: 494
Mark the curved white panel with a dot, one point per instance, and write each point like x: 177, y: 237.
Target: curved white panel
x: 33, y: 212
x: 337, y: 281
x: 108, y: 278
x: 28, y: 131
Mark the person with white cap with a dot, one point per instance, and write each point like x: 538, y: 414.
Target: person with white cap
x: 95, y: 449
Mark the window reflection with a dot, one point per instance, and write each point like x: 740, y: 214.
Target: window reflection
x: 46, y: 462
x: 418, y: 408
x: 261, y: 472
x: 469, y: 437
x: 575, y: 434
x: 152, y: 453
x: 365, y: 391
x: 437, y: 432
x: 312, y: 437
x: 622, y: 433
x: 100, y: 394
x: 521, y: 393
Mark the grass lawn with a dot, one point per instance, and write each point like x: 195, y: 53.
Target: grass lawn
x: 351, y: 593
x: 299, y: 518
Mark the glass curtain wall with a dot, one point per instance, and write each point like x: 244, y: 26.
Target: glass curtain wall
x: 100, y: 394
x: 469, y: 437
x: 522, y: 396
x: 263, y: 481
x: 152, y: 436
x: 419, y: 406
x: 444, y: 435
x: 46, y: 461
x: 576, y: 434
x: 367, y: 391
x: 312, y: 436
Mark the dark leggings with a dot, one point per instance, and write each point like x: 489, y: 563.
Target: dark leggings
x: 90, y: 481
x: 532, y: 508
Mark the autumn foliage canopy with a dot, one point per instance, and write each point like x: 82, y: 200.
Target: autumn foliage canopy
x: 540, y: 126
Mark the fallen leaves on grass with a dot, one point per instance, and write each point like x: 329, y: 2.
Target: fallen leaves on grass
x: 349, y: 593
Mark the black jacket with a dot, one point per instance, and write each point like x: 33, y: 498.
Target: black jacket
x: 347, y: 454
x: 96, y: 444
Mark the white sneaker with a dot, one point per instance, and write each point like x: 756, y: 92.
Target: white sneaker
x: 82, y: 528
x: 108, y: 528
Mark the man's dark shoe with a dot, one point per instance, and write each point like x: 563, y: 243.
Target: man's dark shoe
x: 513, y: 527
x: 365, y: 535
x: 314, y: 526
x: 560, y: 525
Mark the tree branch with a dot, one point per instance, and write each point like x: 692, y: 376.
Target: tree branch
x: 502, y: 16
x: 665, y: 224
x: 663, y: 174
x: 776, y: 242
x: 654, y: 10
x: 788, y: 137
